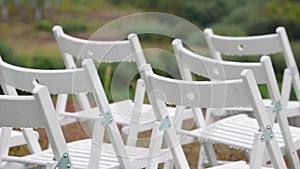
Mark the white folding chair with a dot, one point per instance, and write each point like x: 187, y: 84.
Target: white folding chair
x: 17, y: 138
x: 84, y: 153
x: 212, y: 94
x: 262, y: 45
x: 288, y: 137
x: 134, y: 115
x: 31, y: 112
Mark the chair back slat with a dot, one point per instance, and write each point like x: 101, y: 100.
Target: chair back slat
x: 208, y: 94
x: 34, y: 111
x: 57, y: 81
x: 255, y: 45
x: 99, y: 51
x: 20, y: 111
x: 220, y: 70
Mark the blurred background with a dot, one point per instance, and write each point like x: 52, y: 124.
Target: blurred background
x: 26, y: 37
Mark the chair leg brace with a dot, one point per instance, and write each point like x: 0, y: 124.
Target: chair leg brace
x: 64, y: 162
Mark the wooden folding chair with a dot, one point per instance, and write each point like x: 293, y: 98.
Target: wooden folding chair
x: 268, y: 44
x: 18, y: 138
x: 216, y: 70
x: 84, y: 153
x: 134, y: 115
x: 32, y: 112
x: 211, y: 94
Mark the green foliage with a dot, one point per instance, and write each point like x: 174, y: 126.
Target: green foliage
x: 69, y: 27
x: 81, y: 6
x: 74, y: 26
x: 148, y: 31
x: 229, y: 29
x: 207, y: 12
x: 6, y: 51
x: 44, y: 25
x: 286, y: 14
x: 8, y: 55
x: 40, y: 61
x: 107, y: 78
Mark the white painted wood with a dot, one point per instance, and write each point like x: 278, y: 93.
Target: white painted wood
x: 32, y: 111
x: 155, y: 146
x: 258, y: 154
x: 190, y: 62
x: 259, y: 45
x: 4, y: 142
x: 159, y: 108
x: 193, y: 95
x: 88, y: 82
x: 108, y: 52
x: 135, y: 117
x: 80, y: 150
x: 263, y: 119
x: 236, y: 165
x: 17, y: 138
x: 97, y: 140
x: 159, y: 89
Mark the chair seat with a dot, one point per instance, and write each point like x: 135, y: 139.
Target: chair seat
x: 17, y: 138
x: 293, y: 108
x: 235, y: 165
x: 79, y: 152
x: 238, y: 132
x: 122, y: 113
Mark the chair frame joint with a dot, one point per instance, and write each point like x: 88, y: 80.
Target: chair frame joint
x: 267, y: 135
x: 165, y: 124
x: 293, y: 71
x: 64, y: 162
x: 107, y: 119
x: 277, y: 107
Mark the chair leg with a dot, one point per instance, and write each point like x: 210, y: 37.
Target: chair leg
x: 210, y: 153
x: 202, y: 158
x: 155, y: 146
x: 169, y: 164
x: 4, y: 142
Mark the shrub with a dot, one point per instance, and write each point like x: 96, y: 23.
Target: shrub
x: 229, y: 29
x: 44, y: 25
x: 40, y: 61
x: 69, y: 27
x: 74, y: 26
x: 6, y: 51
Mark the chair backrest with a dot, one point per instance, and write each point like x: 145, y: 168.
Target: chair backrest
x: 67, y: 81
x: 35, y: 111
x: 57, y: 81
x: 257, y: 45
x: 189, y: 62
x: 99, y: 51
x: 217, y: 94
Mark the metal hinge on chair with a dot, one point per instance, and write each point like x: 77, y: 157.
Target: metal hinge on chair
x: 293, y: 71
x: 267, y: 134
x: 107, y: 119
x: 64, y: 162
x: 165, y: 124
x: 277, y: 107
